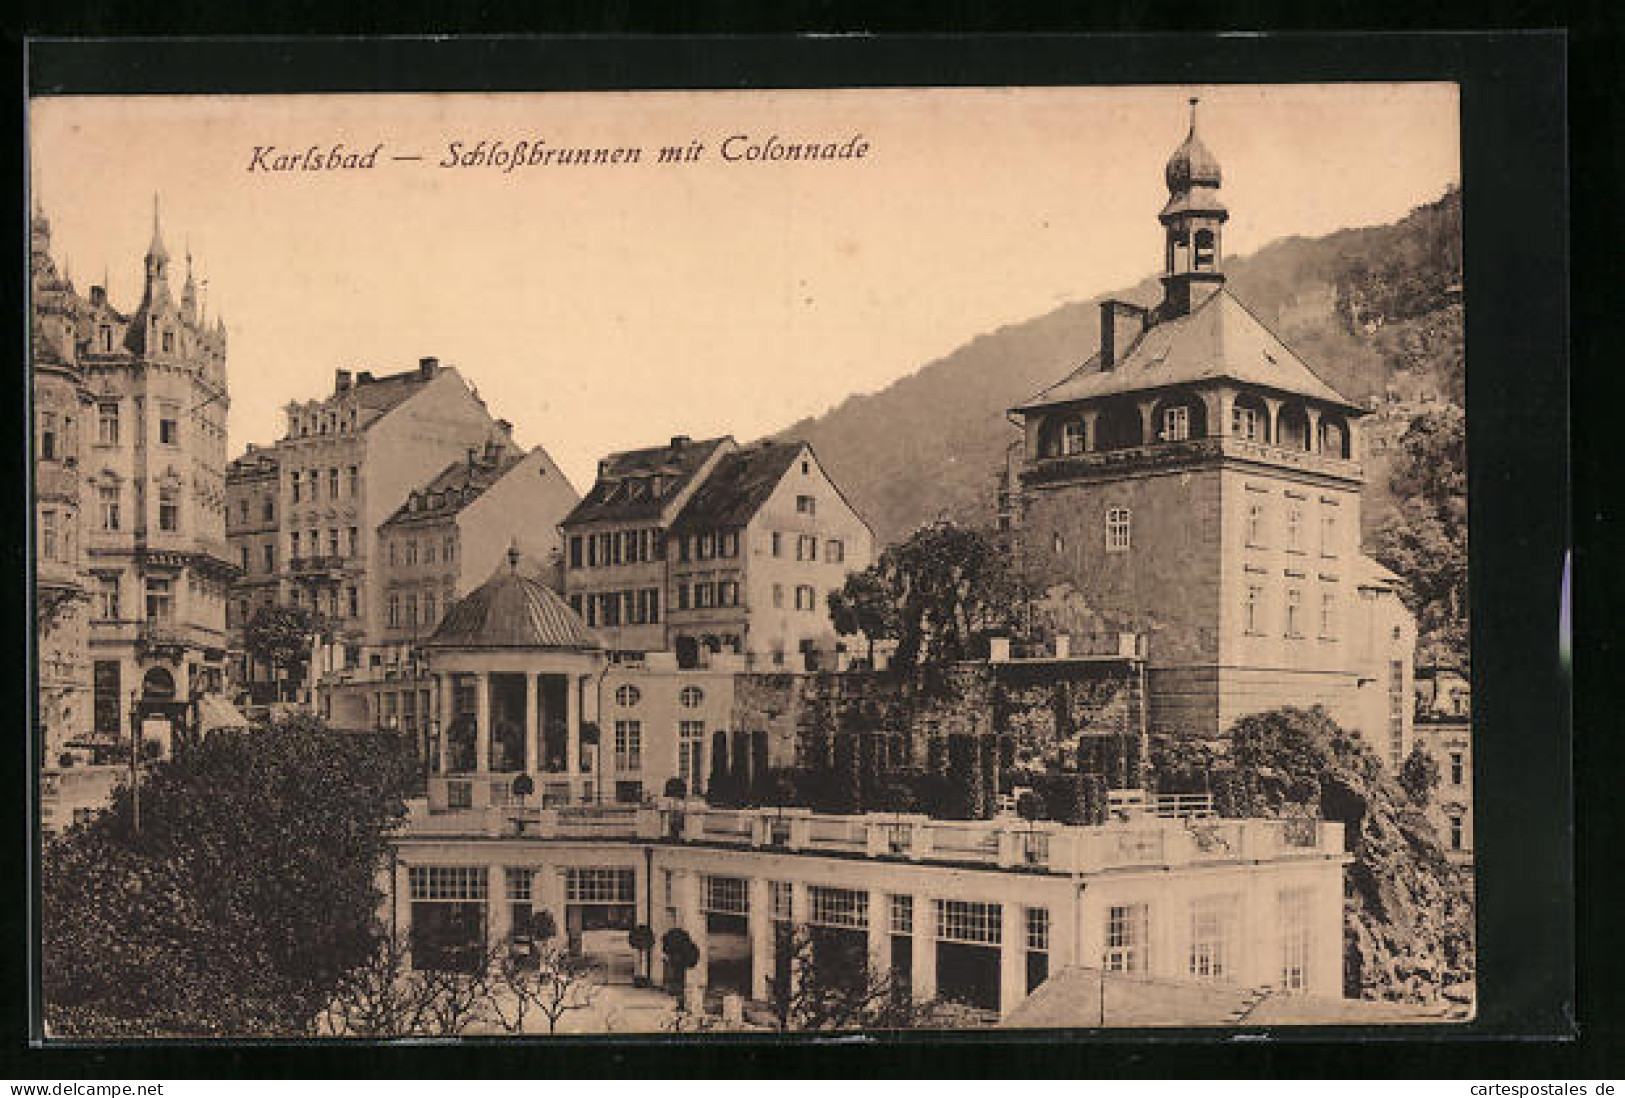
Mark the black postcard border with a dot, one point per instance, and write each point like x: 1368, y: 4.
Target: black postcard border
x: 1515, y: 190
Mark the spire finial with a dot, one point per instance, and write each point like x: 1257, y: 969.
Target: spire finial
x: 1194, y: 101
x: 156, y: 249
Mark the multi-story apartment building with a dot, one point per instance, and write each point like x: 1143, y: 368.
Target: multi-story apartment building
x: 1444, y: 729
x: 711, y: 549
x: 344, y: 465
x: 754, y: 554
x: 1196, y: 482
x: 62, y: 405
x: 615, y: 568
x: 445, y: 539
x: 253, y: 490
x: 131, y: 433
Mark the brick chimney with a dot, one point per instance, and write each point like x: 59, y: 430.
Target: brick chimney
x: 342, y: 380
x: 679, y: 441
x: 427, y: 366
x: 1121, y: 325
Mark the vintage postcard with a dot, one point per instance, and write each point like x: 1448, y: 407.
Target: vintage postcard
x: 750, y: 561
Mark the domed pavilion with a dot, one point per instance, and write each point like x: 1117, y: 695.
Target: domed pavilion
x: 514, y: 669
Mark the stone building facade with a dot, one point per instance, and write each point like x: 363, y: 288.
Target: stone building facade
x: 1197, y: 483
x: 1444, y: 729
x: 446, y: 538
x: 344, y: 465
x: 711, y: 550
x: 130, y: 428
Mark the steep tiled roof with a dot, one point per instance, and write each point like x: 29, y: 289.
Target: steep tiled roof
x: 513, y: 610
x: 455, y: 487
x: 623, y: 492
x: 1220, y: 339
x: 383, y: 393
x: 737, y: 487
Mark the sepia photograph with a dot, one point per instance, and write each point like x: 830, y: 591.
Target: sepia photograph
x: 778, y: 562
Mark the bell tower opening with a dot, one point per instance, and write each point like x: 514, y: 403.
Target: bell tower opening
x: 1193, y: 221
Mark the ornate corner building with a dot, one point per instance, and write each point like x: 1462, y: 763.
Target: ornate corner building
x: 130, y: 442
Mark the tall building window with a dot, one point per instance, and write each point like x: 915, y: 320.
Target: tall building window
x: 47, y: 436
x: 807, y: 547
x: 691, y: 754
x: 1037, y: 947
x: 394, y: 610
x: 835, y: 551
x: 160, y: 599
x: 107, y: 423
x: 169, y: 509
x: 242, y: 511
x: 778, y: 596
x: 1328, y: 530
x: 353, y: 599
x: 628, y: 745
x: 47, y: 527
x: 1127, y: 937
x: 333, y: 483
x: 293, y: 480
x: 1294, y: 527
x: 1212, y: 926
x: 778, y: 544
x: 575, y: 550
x: 1295, y: 939
x: 1294, y: 612
x: 354, y: 540
x: 727, y: 593
x: 1328, y: 615
x: 449, y: 549
x: 1245, y: 423
x: 269, y: 510
x: 1458, y: 768
x: 412, y: 551
x: 1255, y: 521
x: 108, y: 495
x: 107, y: 598
x: 1458, y: 831
x: 242, y: 558
x: 270, y: 557
x: 1253, y: 609
x: 1396, y: 714
x: 806, y: 598
x: 411, y: 608
x: 169, y: 425
x: 355, y: 481
x: 1118, y: 524
x: 1176, y: 424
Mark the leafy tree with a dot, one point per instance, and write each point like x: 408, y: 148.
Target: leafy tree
x: 1408, y: 921
x: 246, y: 898
x: 864, y: 605
x: 1425, y: 540
x: 832, y: 985
x: 281, y: 636
x: 1419, y: 775
x: 681, y: 955
x: 938, y: 593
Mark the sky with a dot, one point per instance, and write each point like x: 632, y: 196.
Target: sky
x: 602, y: 307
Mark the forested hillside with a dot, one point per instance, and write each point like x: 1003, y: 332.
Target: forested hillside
x: 1376, y: 311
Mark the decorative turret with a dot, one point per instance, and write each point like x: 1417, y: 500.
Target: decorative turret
x: 189, y: 293
x: 1192, y: 220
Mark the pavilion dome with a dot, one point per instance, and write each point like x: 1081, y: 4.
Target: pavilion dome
x: 513, y: 610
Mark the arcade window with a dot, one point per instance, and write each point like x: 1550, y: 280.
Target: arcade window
x: 1295, y: 939
x: 1127, y: 935
x: 1212, y: 919
x: 969, y: 921
x: 447, y: 882
x: 842, y: 907
x: 1245, y: 423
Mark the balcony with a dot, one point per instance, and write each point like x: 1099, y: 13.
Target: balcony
x: 1050, y: 470
x: 318, y: 566
x: 483, y: 807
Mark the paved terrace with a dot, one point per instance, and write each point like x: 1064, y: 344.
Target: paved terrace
x: 1138, y: 838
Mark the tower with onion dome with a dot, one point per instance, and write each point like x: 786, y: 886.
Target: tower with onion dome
x: 1197, y: 485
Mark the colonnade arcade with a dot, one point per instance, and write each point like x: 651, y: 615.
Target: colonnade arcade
x: 1182, y: 414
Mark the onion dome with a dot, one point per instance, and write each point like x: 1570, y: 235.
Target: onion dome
x: 513, y: 610
x: 1192, y: 165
